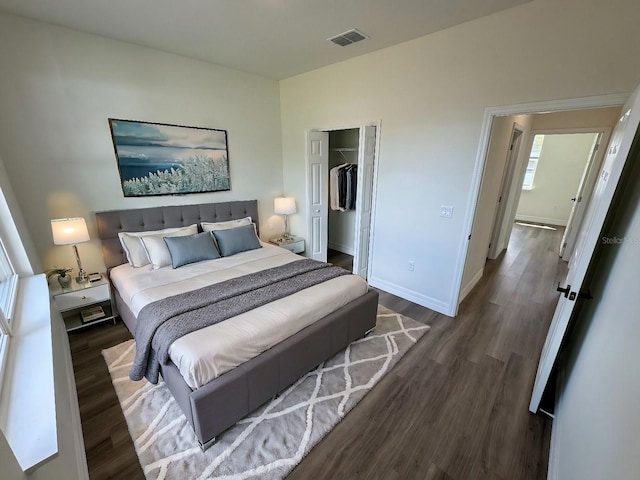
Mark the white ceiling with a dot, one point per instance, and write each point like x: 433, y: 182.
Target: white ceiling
x: 273, y: 38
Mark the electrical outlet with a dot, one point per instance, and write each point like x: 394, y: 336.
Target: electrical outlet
x: 446, y: 211
x: 411, y: 265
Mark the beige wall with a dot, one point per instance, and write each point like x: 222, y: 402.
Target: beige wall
x: 58, y: 88
x: 588, y: 118
x: 430, y: 95
x: 551, y: 206
x: 492, y: 179
x: 562, y: 162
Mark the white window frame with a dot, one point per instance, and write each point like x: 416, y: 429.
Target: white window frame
x: 8, y: 293
x: 532, y: 164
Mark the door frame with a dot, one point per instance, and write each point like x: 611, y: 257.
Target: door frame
x: 598, y: 101
x: 587, y: 184
x: 374, y: 188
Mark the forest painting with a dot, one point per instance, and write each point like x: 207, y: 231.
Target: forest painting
x: 161, y: 159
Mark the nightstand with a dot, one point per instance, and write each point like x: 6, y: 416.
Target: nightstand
x: 84, y: 304
x: 294, y: 244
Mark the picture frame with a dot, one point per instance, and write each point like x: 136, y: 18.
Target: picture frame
x: 164, y: 159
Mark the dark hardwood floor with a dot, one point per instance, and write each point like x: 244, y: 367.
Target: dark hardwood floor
x: 340, y: 259
x: 455, y: 407
x: 109, y: 448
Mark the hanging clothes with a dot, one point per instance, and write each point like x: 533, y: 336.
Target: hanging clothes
x: 342, y: 187
x: 352, y: 183
x: 333, y: 188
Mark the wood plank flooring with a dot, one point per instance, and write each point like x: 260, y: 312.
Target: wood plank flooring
x: 109, y: 448
x: 455, y: 407
x: 340, y: 259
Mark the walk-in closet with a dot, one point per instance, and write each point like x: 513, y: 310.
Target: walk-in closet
x: 340, y: 210
x: 343, y: 174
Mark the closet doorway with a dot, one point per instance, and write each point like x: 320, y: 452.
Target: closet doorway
x: 340, y: 182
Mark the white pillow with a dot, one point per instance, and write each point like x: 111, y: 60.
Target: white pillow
x: 133, y: 248
x: 210, y: 227
x: 157, y: 250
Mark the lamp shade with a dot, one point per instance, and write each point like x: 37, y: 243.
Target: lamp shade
x: 284, y: 205
x: 69, y: 231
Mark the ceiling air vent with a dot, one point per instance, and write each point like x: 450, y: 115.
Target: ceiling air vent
x: 347, y: 38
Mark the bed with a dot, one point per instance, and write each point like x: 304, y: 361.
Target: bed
x: 218, y: 404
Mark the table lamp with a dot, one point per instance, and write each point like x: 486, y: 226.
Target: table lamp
x: 71, y: 231
x: 285, y: 206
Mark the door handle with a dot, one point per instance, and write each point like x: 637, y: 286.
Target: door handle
x: 564, y: 290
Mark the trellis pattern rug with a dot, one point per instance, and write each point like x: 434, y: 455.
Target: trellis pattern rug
x: 275, y: 438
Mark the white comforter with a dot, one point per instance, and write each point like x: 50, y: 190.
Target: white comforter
x: 205, y: 354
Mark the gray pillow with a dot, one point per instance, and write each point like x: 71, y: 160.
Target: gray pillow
x: 236, y: 240
x: 191, y: 249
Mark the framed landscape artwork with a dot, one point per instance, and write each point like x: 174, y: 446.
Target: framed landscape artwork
x: 163, y: 159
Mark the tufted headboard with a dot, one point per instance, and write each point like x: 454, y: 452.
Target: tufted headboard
x: 155, y: 218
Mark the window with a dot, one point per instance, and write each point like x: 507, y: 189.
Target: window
x: 534, y: 156
x: 8, y: 290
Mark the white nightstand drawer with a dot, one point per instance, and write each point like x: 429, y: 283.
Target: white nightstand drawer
x: 80, y: 298
x: 294, y: 244
x: 295, y: 247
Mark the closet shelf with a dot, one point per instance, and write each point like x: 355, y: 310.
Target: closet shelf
x: 343, y: 150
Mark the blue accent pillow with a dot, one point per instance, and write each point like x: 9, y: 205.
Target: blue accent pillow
x: 191, y: 249
x: 236, y: 240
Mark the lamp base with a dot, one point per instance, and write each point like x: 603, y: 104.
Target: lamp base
x: 82, y: 277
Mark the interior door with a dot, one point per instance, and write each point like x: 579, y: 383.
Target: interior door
x: 581, y: 199
x: 317, y: 194
x: 364, y: 200
x: 588, y: 236
x: 497, y: 243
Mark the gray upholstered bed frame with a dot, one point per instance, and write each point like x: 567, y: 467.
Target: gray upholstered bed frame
x: 219, y: 404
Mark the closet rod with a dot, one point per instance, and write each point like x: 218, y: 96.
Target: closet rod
x: 342, y: 150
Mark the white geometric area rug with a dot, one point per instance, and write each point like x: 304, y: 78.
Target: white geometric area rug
x: 269, y: 442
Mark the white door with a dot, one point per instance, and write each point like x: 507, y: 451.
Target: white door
x: 364, y: 198
x: 588, y: 237
x: 581, y: 200
x: 317, y: 194
x: 497, y: 243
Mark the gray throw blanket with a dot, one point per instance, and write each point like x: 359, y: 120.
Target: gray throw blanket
x: 162, y: 322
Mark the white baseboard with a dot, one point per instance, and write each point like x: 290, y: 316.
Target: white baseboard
x: 349, y: 250
x: 415, y: 297
x: 469, y: 286
x: 547, y: 221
